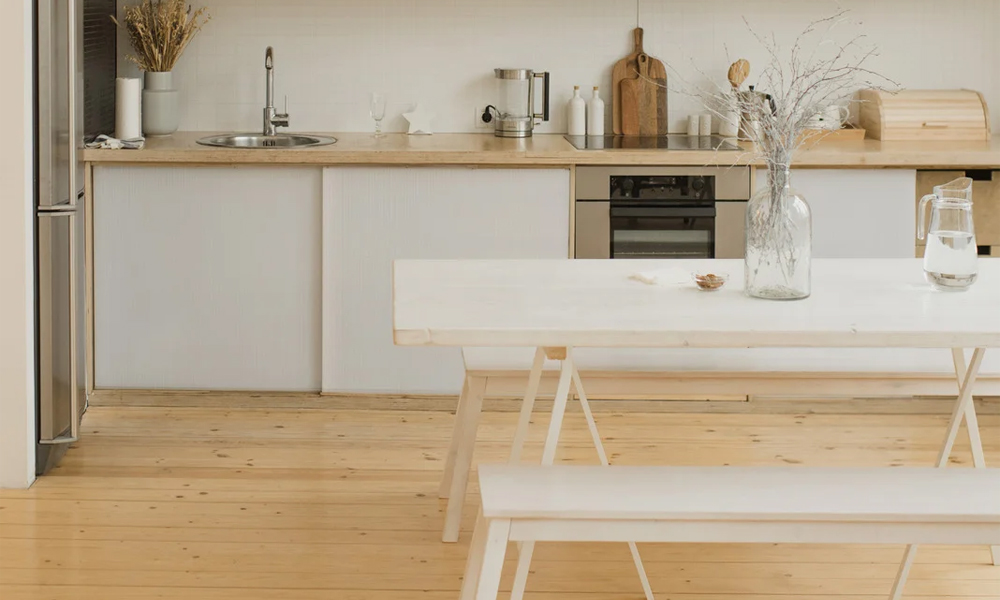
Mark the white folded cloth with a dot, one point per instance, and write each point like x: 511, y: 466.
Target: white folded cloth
x: 666, y: 276
x: 106, y: 142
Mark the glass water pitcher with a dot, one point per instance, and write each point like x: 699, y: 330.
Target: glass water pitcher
x: 951, y: 254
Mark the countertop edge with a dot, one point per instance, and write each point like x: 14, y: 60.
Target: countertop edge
x: 481, y: 150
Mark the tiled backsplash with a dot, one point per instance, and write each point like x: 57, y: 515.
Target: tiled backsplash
x: 331, y: 54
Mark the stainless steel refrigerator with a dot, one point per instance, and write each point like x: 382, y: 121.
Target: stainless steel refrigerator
x: 59, y: 277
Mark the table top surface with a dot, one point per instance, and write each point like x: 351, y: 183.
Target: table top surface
x: 595, y: 303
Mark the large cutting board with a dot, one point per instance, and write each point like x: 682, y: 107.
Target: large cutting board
x: 639, y: 102
x: 628, y: 68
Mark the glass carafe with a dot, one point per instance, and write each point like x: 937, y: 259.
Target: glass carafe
x: 951, y: 255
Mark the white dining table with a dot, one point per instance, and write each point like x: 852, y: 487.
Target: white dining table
x: 558, y: 305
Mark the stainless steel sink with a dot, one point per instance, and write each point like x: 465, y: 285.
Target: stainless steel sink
x: 256, y: 140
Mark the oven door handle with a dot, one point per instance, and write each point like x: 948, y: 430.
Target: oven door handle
x: 663, y: 213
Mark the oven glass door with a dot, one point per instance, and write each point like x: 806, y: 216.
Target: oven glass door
x: 675, y: 232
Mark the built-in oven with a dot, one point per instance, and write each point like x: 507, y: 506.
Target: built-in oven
x: 661, y: 212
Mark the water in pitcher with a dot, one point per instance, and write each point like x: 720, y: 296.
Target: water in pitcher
x: 950, y: 260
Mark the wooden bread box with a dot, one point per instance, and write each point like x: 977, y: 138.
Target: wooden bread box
x: 945, y: 115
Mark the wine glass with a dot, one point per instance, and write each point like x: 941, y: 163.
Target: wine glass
x: 377, y: 111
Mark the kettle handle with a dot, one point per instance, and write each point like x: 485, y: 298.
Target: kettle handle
x: 922, y: 216
x: 545, y: 96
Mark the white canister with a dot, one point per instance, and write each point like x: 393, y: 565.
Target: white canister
x: 576, y: 114
x: 128, y: 108
x: 729, y: 124
x: 693, y: 123
x: 595, y: 114
x: 705, y: 124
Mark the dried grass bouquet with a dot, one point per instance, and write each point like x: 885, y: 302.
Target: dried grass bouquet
x: 160, y: 30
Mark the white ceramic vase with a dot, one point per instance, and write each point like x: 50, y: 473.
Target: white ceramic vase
x: 159, y: 104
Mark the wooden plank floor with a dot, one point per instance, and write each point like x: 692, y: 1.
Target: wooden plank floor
x: 254, y: 504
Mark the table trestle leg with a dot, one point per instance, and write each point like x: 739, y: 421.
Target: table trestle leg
x: 965, y: 409
x: 569, y: 378
x: 975, y: 440
x: 599, y: 445
x: 527, y: 406
x: 548, y: 457
x: 466, y: 427
x: 456, y: 440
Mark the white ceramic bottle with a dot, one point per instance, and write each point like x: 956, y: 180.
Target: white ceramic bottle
x: 595, y: 114
x: 576, y: 114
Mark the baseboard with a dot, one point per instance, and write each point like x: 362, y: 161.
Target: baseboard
x: 446, y: 403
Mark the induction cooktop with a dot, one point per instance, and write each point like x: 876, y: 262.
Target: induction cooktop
x: 652, y: 142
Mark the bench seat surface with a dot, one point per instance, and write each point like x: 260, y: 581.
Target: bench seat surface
x: 741, y: 493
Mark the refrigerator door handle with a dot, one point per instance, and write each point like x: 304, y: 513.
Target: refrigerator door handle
x: 74, y: 431
x: 71, y: 38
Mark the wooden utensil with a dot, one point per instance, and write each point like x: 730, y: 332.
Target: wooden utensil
x: 648, y: 114
x: 624, y: 69
x: 738, y: 73
x: 628, y: 105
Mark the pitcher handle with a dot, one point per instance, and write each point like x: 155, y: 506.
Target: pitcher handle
x: 922, y: 216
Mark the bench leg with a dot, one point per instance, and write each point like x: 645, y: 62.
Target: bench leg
x: 599, y: 445
x: 492, y: 568
x: 464, y: 441
x: 527, y: 406
x: 965, y: 409
x: 474, y: 564
x: 485, y: 563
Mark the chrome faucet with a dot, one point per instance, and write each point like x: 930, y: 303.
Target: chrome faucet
x: 272, y: 118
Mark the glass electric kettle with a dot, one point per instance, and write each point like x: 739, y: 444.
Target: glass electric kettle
x: 951, y: 255
x: 515, y: 109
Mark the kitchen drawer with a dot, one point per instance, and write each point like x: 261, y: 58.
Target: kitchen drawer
x: 985, y: 201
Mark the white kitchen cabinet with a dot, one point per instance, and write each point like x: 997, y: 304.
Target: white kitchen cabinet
x: 374, y: 215
x: 858, y: 213
x: 207, y: 278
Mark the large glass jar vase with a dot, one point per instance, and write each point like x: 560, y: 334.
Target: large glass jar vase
x: 778, y: 241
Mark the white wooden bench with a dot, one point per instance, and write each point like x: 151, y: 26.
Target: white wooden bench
x: 627, y: 373
x: 726, y: 504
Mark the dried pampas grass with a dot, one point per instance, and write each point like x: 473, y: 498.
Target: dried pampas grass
x: 160, y: 30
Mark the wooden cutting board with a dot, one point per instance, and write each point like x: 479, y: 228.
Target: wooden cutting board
x: 625, y: 69
x: 658, y: 75
x: 639, y: 97
x: 628, y: 69
x: 631, y: 91
x: 648, y: 114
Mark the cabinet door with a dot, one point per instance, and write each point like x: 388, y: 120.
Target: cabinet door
x: 858, y: 213
x: 374, y: 215
x: 207, y: 278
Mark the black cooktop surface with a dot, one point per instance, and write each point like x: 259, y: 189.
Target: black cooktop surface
x: 652, y: 142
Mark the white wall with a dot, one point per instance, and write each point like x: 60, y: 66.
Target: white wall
x: 17, y: 391
x: 330, y: 54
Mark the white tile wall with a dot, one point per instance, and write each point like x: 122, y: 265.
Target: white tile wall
x: 330, y: 54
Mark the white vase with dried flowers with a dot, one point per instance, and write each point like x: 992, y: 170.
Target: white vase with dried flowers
x: 159, y: 31
x: 801, y: 82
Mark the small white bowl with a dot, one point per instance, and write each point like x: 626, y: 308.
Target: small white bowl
x: 710, y: 282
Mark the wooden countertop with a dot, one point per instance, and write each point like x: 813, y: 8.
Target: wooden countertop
x: 543, y: 150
